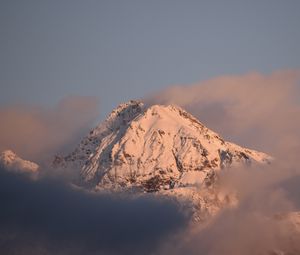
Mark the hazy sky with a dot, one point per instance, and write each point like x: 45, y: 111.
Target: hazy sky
x: 118, y: 50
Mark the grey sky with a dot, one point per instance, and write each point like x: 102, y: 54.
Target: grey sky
x: 118, y: 50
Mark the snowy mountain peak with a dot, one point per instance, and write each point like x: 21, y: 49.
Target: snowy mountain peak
x: 126, y: 109
x: 159, y: 148
x: 8, y: 156
x: 115, y: 123
x: 154, y: 148
x: 120, y: 116
x: 12, y: 162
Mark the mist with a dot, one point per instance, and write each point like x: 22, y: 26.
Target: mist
x: 261, y: 223
x: 49, y: 216
x: 36, y: 133
x: 261, y: 111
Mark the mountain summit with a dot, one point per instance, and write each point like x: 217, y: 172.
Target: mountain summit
x: 160, y: 148
x: 10, y: 161
x: 153, y: 148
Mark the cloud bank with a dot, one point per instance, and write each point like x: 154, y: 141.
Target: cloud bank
x: 262, y: 112
x: 35, y: 132
x: 259, y: 225
x: 255, y: 110
x: 48, y: 216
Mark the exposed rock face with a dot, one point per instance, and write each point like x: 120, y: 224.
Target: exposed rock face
x: 155, y: 149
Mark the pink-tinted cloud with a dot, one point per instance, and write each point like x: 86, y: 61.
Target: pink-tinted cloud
x: 263, y: 112
x: 256, y: 110
x: 35, y: 132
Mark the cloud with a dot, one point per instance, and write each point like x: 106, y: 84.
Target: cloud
x: 35, y: 132
x: 256, y: 110
x: 263, y: 112
x: 47, y: 216
x: 259, y: 225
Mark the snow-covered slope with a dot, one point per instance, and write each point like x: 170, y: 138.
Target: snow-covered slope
x: 155, y: 149
x: 11, y: 162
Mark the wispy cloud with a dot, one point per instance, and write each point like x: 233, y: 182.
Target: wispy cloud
x: 263, y: 112
x: 256, y: 110
x: 35, y: 132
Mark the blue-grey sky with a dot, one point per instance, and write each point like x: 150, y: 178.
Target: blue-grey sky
x: 118, y: 50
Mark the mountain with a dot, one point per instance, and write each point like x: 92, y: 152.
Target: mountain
x: 160, y: 149
x: 10, y: 161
